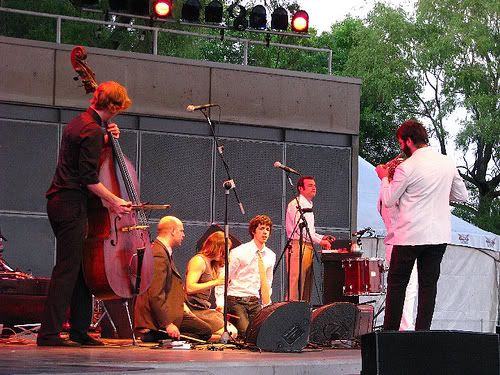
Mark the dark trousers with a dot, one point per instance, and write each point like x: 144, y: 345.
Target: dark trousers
x: 190, y: 326
x: 67, y: 213
x: 245, y: 308
x: 428, y: 259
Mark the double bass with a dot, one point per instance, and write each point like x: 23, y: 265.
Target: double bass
x: 118, y: 260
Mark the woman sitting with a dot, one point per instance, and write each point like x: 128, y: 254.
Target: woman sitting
x: 203, y: 274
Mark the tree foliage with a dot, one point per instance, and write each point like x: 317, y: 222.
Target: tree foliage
x: 469, y: 33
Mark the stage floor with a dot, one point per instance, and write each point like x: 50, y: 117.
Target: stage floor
x: 120, y: 357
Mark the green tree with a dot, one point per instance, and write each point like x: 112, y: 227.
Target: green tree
x: 427, y: 66
x: 389, y: 90
x: 469, y: 32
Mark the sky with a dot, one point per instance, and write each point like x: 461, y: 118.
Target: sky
x: 322, y: 13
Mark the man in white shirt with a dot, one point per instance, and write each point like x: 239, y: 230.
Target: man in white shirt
x: 250, y: 283
x: 306, y: 187
x: 423, y: 186
x: 389, y: 217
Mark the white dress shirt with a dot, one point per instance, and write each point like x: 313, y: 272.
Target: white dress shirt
x: 244, y: 276
x: 424, y: 184
x: 389, y: 217
x: 293, y: 215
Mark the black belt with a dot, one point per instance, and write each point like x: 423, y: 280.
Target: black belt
x: 244, y: 299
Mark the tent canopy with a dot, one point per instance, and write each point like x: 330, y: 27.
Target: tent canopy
x: 463, y: 233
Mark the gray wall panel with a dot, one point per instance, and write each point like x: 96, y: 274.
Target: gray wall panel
x: 164, y: 86
x: 177, y: 170
x: 258, y: 184
x: 28, y: 155
x: 28, y: 112
x: 23, y: 75
x: 31, y: 244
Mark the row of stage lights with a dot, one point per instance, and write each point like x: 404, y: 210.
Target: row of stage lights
x: 257, y: 19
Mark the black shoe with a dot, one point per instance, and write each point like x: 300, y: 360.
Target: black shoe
x: 56, y: 341
x: 85, y: 339
x: 154, y: 336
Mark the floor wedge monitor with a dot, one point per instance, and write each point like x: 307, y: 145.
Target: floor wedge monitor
x: 281, y: 327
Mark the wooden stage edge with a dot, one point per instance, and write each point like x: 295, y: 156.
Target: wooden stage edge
x: 120, y: 357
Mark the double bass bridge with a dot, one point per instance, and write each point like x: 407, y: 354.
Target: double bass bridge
x: 134, y: 227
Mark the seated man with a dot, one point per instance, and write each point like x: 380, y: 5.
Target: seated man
x: 250, y: 275
x: 160, y: 313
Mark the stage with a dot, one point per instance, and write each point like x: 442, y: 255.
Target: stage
x: 119, y: 357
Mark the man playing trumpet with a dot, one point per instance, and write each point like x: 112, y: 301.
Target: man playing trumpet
x: 422, y: 186
x: 389, y: 216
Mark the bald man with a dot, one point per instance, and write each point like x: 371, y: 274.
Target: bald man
x: 161, y: 313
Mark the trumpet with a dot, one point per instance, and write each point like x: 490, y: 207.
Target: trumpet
x: 391, y: 165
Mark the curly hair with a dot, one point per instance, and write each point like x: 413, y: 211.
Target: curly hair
x: 259, y: 220
x: 414, y: 130
x: 112, y: 97
x: 214, y: 247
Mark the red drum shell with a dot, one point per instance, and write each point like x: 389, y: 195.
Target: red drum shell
x: 363, y: 276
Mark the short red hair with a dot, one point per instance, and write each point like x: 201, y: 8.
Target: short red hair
x: 112, y: 97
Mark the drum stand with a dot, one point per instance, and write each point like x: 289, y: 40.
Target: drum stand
x: 100, y: 305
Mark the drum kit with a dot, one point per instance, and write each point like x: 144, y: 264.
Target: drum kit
x: 363, y: 276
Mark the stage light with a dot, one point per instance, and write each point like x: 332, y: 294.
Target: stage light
x: 191, y: 11
x: 213, y: 12
x: 279, y: 19
x: 300, y: 22
x: 239, y: 13
x: 162, y: 8
x: 258, y: 17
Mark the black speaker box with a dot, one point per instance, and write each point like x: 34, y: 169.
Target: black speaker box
x: 429, y: 353
x: 281, y: 327
x: 335, y: 321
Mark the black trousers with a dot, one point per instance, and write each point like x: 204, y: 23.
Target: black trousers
x: 403, y: 258
x: 245, y: 308
x: 67, y: 211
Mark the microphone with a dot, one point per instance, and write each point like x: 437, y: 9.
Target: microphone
x: 277, y: 164
x: 192, y: 108
x: 361, y: 232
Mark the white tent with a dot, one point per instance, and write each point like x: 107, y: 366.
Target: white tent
x: 469, y: 283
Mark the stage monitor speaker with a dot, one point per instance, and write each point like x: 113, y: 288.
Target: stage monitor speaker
x: 281, y: 327
x: 430, y: 353
x: 214, y: 228
x: 335, y: 321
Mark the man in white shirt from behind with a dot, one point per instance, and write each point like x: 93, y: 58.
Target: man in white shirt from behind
x: 389, y: 216
x: 245, y: 294
x: 422, y: 186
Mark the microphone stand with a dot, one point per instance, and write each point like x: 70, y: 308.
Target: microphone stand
x: 288, y: 247
x: 228, y: 185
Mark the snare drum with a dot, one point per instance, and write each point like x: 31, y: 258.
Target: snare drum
x: 363, y: 276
